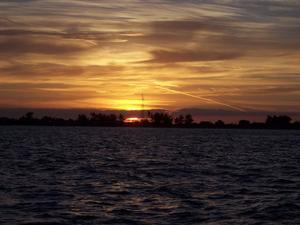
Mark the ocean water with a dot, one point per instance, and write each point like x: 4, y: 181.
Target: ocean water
x: 57, y: 175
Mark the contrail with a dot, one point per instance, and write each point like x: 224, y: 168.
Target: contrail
x: 201, y: 98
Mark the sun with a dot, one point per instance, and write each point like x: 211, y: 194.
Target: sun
x: 133, y: 120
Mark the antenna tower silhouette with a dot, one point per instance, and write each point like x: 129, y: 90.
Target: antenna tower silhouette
x: 143, y: 106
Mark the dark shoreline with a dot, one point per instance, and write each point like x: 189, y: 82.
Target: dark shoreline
x: 139, y: 127
x: 150, y: 127
x: 156, y: 120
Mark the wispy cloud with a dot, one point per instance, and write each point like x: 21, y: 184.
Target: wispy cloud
x: 161, y: 56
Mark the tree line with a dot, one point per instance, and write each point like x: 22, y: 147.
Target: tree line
x: 157, y: 119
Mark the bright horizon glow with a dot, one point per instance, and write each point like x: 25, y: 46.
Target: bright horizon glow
x: 129, y: 104
x: 132, y: 120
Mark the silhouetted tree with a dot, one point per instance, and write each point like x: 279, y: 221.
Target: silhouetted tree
x: 179, y: 121
x: 82, y: 120
x: 219, y: 123
x: 28, y: 119
x: 112, y: 118
x: 161, y: 119
x: 244, y: 123
x: 296, y: 125
x: 97, y: 119
x: 29, y: 115
x: 100, y: 119
x: 188, y: 120
x: 121, y: 118
x: 48, y: 121
x: 278, y: 121
x: 145, y: 123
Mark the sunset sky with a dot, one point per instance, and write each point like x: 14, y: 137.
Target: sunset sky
x: 238, y: 55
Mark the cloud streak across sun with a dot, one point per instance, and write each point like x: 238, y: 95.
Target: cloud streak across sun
x: 78, y: 54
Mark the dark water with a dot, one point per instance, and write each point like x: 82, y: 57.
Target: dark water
x: 148, y: 176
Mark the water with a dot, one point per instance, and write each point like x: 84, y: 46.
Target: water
x: 54, y: 175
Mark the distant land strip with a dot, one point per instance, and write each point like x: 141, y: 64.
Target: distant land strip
x: 158, y: 119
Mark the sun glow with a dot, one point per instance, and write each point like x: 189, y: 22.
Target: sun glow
x: 129, y: 104
x: 133, y: 120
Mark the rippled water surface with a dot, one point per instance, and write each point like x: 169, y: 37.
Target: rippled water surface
x: 54, y: 175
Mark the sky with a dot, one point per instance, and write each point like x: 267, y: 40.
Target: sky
x: 234, y: 55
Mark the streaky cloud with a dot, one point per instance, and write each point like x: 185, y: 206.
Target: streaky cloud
x: 162, y: 56
x: 208, y: 100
